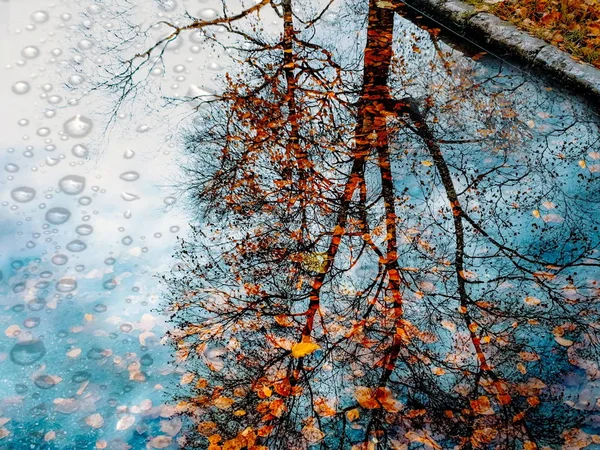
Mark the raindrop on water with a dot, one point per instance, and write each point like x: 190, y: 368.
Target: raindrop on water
x: 78, y: 126
x: 58, y: 215
x: 66, y: 285
x: 27, y: 353
x: 80, y: 151
x: 22, y: 194
x: 72, y: 184
x: 30, y: 52
x: 129, y: 176
x: 21, y: 87
x: 76, y: 245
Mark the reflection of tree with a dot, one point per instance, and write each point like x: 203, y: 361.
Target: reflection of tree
x: 380, y: 260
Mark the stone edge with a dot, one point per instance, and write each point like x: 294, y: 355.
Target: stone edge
x: 488, y: 30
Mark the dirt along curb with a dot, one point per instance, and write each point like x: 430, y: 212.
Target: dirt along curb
x: 490, y: 31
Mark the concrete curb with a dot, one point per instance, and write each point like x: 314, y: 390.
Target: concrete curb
x: 488, y: 30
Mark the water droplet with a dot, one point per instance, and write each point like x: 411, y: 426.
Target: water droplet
x: 127, y: 240
x: 27, y: 353
x: 129, y: 176
x: 84, y: 230
x: 52, y: 161
x: 43, y: 132
x: 76, y: 80
x: 100, y: 308
x: 146, y: 360
x: 110, y: 284
x: 207, y: 14
x: 126, y: 327
x: 21, y: 87
x: 45, y: 381
x: 143, y: 128
x: 31, y: 322
x: 12, y: 168
x: 72, y: 184
x: 129, y: 197
x: 22, y: 194
x: 76, y: 245
x: 78, y: 126
x: 40, y: 17
x: 30, y: 52
x: 128, y: 154
x: 66, y: 285
x: 58, y: 215
x: 169, y: 200
x: 85, y: 44
x: 174, y: 229
x: 60, y: 259
x: 80, y: 377
x: 80, y: 151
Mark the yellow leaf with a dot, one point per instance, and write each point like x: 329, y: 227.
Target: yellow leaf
x: 352, y: 415
x: 427, y: 163
x: 301, y: 349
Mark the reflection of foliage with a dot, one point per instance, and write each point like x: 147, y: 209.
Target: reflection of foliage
x: 383, y: 260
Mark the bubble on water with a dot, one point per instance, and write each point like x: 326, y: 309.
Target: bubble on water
x: 12, y: 168
x: 85, y: 44
x: 127, y: 240
x: 129, y: 176
x: 126, y: 327
x: 174, y: 229
x: 51, y: 161
x: 30, y: 52
x: 43, y: 132
x: 60, y: 259
x: 81, y: 376
x: 78, y: 126
x: 58, y: 215
x: 66, y: 285
x: 146, y: 360
x: 40, y: 17
x: 21, y: 87
x: 80, y: 151
x: 128, y: 154
x: 169, y: 200
x: 31, y: 322
x: 129, y: 197
x: 94, y: 9
x: 100, y: 308
x: 110, y: 284
x: 27, y: 353
x: 76, y: 245
x: 85, y: 201
x: 96, y: 353
x: 46, y: 381
x: 72, y: 184
x: 22, y: 194
x: 54, y: 99
x: 110, y: 261
x: 21, y: 388
x: 84, y: 230
x: 207, y: 14
x: 76, y: 79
